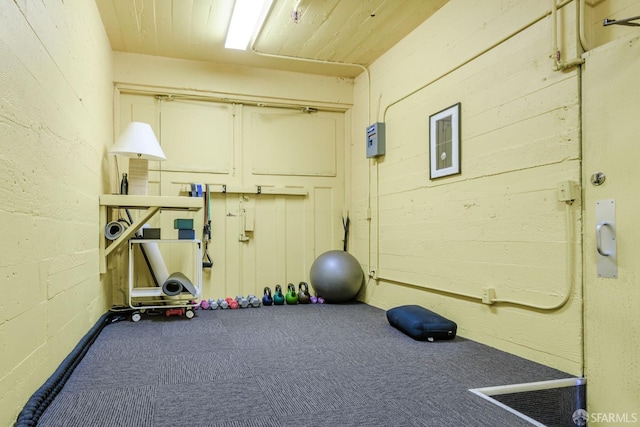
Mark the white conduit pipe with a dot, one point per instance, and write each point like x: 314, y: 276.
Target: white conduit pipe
x: 555, y: 51
x: 569, y: 245
x: 582, y: 17
x: 568, y: 287
x: 559, y: 65
x: 318, y: 61
x: 569, y: 267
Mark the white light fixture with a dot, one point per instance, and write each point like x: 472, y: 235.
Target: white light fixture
x: 140, y: 144
x: 246, y: 21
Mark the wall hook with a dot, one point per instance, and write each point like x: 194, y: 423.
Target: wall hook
x: 626, y: 22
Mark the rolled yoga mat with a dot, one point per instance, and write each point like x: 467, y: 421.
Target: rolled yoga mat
x: 177, y: 283
x: 114, y: 229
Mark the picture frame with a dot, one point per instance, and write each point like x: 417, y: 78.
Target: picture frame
x: 444, y: 142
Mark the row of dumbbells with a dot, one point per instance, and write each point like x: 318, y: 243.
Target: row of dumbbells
x: 238, y: 302
x: 292, y: 297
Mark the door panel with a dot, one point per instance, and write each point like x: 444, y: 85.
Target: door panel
x: 195, y: 136
x: 611, y: 145
x: 286, y: 142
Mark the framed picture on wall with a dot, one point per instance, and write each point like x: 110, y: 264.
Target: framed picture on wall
x: 444, y: 142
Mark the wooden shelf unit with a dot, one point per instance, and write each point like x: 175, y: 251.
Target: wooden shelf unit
x: 149, y: 204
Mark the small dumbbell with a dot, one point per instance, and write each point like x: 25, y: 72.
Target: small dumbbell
x: 253, y: 301
x: 242, y: 301
x: 213, y: 304
x: 204, y: 304
x: 233, y: 304
x: 223, y: 303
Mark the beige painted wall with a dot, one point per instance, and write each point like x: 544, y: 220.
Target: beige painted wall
x: 500, y: 223
x: 55, y: 127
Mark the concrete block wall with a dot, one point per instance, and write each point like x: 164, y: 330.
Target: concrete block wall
x: 55, y: 128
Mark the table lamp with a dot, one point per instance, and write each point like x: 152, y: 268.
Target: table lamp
x: 140, y: 144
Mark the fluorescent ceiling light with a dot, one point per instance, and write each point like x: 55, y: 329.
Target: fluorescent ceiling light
x: 248, y: 16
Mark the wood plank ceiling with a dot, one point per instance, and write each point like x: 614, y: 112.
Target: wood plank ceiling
x: 345, y: 31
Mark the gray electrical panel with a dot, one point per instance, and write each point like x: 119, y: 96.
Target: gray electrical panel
x: 375, y: 140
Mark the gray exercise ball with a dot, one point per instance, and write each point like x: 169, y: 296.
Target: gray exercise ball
x: 336, y: 276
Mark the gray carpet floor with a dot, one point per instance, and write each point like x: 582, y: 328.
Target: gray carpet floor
x: 305, y: 365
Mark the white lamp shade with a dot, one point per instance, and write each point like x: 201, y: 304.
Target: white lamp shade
x: 139, y: 141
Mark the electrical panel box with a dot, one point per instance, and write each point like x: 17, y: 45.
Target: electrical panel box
x: 375, y: 140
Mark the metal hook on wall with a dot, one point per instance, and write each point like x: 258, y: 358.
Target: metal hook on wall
x: 626, y: 22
